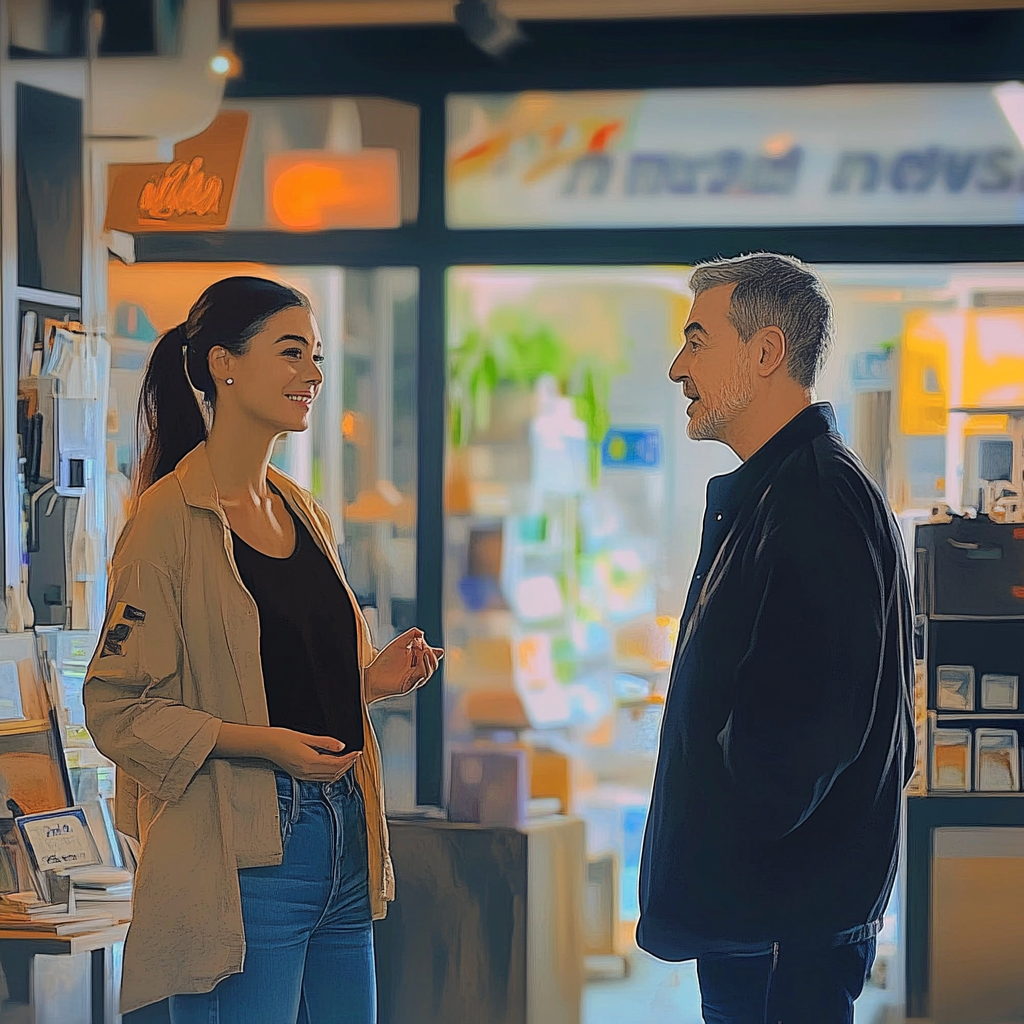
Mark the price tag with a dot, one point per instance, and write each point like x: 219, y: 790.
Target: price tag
x: 58, y: 840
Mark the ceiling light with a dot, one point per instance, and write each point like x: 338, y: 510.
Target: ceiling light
x: 225, y: 63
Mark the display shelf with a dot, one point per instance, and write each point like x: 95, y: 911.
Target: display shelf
x: 24, y: 727
x: 87, y: 942
x: 975, y: 716
x: 42, y: 295
x: 947, y: 794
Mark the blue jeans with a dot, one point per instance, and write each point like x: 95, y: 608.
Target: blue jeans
x: 308, y: 932
x: 787, y: 983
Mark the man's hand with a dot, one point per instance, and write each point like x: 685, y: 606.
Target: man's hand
x: 406, y: 663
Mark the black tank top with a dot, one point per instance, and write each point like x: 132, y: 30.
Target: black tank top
x: 308, y: 645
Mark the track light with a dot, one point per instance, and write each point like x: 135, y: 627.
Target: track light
x: 487, y: 28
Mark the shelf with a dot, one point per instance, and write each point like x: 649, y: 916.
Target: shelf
x: 989, y: 716
x: 23, y: 727
x: 46, y: 298
x: 84, y: 943
x: 960, y: 796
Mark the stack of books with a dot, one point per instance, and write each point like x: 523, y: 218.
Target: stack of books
x: 103, y: 889
x: 24, y: 911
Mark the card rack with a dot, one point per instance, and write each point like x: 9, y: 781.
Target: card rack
x: 970, y: 606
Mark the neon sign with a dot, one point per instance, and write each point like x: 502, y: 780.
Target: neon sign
x: 182, y: 189
x: 192, y: 193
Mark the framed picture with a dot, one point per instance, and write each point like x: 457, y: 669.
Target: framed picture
x: 58, y: 840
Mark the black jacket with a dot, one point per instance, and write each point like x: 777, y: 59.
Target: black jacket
x: 788, y: 735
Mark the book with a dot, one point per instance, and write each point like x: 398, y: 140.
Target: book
x: 99, y: 877
x: 120, y: 910
x: 64, y: 928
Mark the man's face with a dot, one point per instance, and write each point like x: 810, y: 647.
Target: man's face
x: 713, y: 367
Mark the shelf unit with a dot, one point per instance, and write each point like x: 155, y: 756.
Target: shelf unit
x: 955, y: 595
x: 24, y: 727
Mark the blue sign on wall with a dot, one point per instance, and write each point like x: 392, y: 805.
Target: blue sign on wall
x: 871, y: 371
x: 631, y: 449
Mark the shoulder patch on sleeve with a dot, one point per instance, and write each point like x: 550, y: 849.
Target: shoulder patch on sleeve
x: 133, y: 614
x: 113, y: 643
x: 124, y: 618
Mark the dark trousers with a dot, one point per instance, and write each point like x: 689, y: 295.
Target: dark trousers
x: 790, y: 985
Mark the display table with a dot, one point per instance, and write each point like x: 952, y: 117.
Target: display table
x: 965, y: 901
x: 53, y: 980
x: 487, y: 924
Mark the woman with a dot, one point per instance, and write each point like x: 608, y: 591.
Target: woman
x: 231, y: 691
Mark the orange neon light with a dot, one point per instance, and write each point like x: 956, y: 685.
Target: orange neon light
x: 318, y: 191
x: 183, y: 188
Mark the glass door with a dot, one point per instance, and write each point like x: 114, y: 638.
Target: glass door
x: 574, y: 501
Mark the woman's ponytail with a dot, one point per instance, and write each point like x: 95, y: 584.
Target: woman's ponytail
x: 171, y: 422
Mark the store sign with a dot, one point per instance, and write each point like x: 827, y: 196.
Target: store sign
x: 942, y: 154
x: 192, y: 193
x: 318, y: 191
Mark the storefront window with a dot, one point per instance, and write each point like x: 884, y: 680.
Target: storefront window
x: 574, y: 498
x: 358, y: 457
x: 866, y: 154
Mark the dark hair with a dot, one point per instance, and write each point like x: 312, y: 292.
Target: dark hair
x: 171, y: 421
x: 777, y: 291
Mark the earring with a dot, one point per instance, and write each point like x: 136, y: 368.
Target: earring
x: 230, y: 380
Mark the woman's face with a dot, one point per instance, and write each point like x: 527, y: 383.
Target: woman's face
x: 278, y: 378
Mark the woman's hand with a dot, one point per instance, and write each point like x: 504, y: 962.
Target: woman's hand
x: 308, y: 758
x: 406, y: 663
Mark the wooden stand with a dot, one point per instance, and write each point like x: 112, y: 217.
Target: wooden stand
x: 73, y: 980
x: 487, y: 924
x: 970, y: 811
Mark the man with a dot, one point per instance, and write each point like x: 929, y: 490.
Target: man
x: 771, y: 845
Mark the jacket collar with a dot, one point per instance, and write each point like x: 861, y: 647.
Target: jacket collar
x: 195, y: 477
x: 732, y: 488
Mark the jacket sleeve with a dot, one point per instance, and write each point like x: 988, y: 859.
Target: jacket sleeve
x: 806, y: 687
x: 132, y: 693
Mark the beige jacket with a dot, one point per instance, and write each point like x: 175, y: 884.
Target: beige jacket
x: 179, y: 656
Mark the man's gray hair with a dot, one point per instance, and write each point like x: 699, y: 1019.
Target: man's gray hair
x: 776, y: 291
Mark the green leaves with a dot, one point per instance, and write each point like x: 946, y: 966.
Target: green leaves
x: 519, y: 351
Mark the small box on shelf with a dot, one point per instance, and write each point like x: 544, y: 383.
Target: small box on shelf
x: 996, y: 761
x: 955, y: 687
x: 950, y: 759
x: 999, y: 692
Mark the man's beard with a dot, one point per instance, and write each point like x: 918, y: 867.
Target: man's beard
x: 711, y: 417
